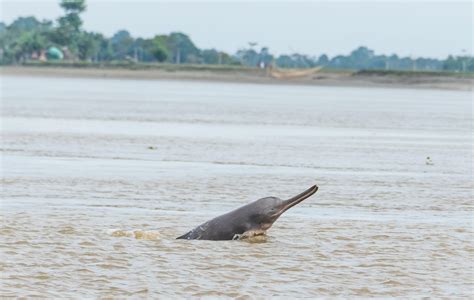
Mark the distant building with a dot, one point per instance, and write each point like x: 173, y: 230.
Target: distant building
x: 54, y: 53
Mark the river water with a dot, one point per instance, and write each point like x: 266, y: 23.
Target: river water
x: 100, y: 175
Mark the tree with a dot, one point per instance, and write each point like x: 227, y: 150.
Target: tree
x: 285, y: 61
x: 24, y: 24
x: 105, y: 49
x: 122, y: 44
x: 323, y: 60
x: 248, y: 57
x: 158, y: 49
x: 265, y: 57
x: 70, y: 24
x: 360, y: 58
x: 362, y: 53
x: 459, y: 63
x: 28, y: 43
x: 210, y: 56
x: 181, y: 47
x: 72, y: 8
x: 120, y: 36
x: 88, y: 45
x: 226, y: 59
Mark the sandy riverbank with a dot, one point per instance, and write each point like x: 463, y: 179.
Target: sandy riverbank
x: 321, y: 78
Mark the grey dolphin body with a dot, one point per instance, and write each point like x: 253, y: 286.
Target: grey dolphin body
x: 251, y: 219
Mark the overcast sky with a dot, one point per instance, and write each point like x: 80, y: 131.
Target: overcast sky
x: 407, y: 28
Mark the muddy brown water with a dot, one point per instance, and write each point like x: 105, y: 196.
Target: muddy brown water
x: 100, y: 176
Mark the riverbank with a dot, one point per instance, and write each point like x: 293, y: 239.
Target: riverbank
x: 395, y: 79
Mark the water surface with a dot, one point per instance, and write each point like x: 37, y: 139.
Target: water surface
x: 100, y: 176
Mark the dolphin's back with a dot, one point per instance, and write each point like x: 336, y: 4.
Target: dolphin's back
x: 197, y: 233
x: 223, y: 227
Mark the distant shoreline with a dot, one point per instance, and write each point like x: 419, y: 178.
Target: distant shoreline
x: 336, y: 78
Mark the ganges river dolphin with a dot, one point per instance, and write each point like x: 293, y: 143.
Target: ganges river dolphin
x: 249, y: 220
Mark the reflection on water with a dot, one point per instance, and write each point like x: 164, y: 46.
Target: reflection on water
x: 100, y: 176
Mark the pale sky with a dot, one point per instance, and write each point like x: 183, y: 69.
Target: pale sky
x: 407, y: 28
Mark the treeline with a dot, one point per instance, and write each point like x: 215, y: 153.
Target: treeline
x: 27, y: 39
x: 359, y: 59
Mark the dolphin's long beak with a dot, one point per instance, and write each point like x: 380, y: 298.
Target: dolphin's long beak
x: 298, y: 198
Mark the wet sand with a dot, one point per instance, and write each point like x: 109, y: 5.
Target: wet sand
x: 322, y: 78
x: 100, y: 176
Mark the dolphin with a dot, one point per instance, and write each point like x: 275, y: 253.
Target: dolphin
x: 249, y: 220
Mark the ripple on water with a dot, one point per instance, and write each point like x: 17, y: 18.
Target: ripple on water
x: 137, y: 234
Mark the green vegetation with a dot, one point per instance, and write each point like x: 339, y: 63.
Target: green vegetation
x: 380, y: 73
x: 169, y: 67
x: 27, y: 40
